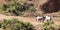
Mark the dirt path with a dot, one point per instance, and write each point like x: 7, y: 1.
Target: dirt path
x: 25, y: 19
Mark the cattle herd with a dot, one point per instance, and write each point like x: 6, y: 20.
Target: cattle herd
x: 43, y: 18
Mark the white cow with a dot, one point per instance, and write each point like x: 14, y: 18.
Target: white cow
x: 48, y: 18
x: 38, y: 18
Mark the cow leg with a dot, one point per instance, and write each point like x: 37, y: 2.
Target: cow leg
x: 36, y: 19
x: 50, y: 19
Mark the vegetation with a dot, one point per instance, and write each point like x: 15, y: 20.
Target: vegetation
x: 49, y: 25
x: 16, y: 8
x: 14, y: 24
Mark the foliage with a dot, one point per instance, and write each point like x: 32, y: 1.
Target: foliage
x: 49, y: 25
x: 12, y: 7
x: 14, y: 24
x: 32, y: 9
x: 16, y: 8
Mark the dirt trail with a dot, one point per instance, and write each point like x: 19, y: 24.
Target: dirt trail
x: 25, y: 19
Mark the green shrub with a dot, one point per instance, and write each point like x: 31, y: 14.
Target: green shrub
x: 12, y: 7
x: 4, y: 7
x: 14, y: 24
x: 16, y: 8
x: 32, y: 9
x: 49, y: 25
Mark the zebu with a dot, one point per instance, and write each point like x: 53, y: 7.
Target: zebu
x: 38, y: 18
x: 48, y: 18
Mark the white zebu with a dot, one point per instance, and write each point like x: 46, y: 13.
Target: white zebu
x: 38, y: 17
x: 43, y: 18
x: 48, y: 18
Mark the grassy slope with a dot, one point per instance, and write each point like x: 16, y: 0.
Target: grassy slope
x: 31, y: 20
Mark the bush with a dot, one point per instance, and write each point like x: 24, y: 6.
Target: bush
x: 16, y: 8
x: 49, y: 25
x: 14, y: 24
x: 12, y: 7
x: 32, y: 9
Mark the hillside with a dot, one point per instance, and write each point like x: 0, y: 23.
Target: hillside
x: 27, y: 10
